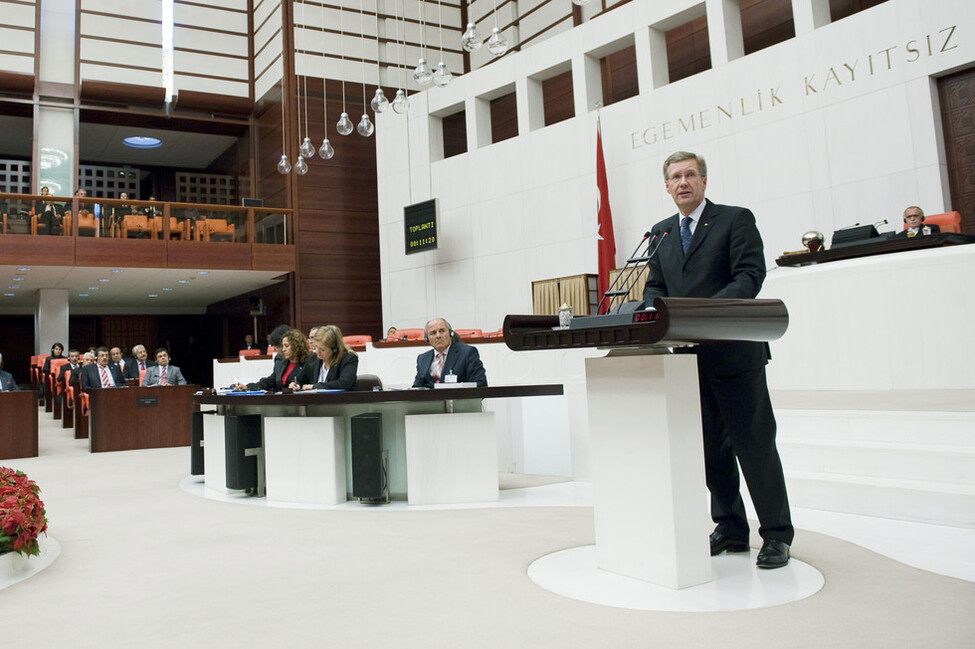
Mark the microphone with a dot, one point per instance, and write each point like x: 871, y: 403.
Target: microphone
x: 879, y: 223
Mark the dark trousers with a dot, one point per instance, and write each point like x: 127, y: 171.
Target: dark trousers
x: 737, y: 419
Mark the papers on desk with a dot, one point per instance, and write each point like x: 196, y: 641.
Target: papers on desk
x: 448, y: 386
x: 316, y: 391
x: 243, y: 393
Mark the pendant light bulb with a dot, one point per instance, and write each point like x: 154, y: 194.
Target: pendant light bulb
x: 284, y: 166
x: 344, y: 126
x: 423, y: 75
x: 379, y: 102
x: 401, y: 104
x: 442, y: 76
x: 307, y: 149
x: 325, y: 151
x: 497, y: 44
x: 470, y: 41
x: 301, y: 167
x: 365, y: 127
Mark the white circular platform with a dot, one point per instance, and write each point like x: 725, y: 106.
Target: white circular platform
x: 736, y: 583
x: 15, y: 567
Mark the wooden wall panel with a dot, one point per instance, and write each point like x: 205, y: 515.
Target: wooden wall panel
x: 337, y: 220
x: 504, y: 118
x: 840, y: 9
x: 619, y: 74
x: 557, y: 98
x: 454, y: 134
x: 957, y: 98
x: 688, y: 51
x: 765, y: 23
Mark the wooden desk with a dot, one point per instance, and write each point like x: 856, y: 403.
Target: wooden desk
x: 19, y: 436
x: 878, y: 246
x: 123, y: 419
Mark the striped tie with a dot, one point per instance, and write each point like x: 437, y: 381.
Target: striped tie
x: 106, y: 381
x: 162, y: 376
x: 436, y: 369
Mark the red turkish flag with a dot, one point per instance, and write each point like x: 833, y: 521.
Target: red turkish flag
x: 606, y: 243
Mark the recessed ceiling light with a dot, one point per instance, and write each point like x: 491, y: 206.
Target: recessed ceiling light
x: 9, y: 294
x: 17, y: 279
x: 153, y: 295
x: 118, y: 270
x: 142, y: 142
x: 183, y: 281
x: 82, y: 295
x: 15, y: 286
x: 92, y: 288
x: 167, y: 289
x: 103, y: 280
x: 202, y: 272
x: 23, y: 269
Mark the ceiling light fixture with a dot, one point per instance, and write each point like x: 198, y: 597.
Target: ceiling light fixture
x: 142, y: 142
x: 23, y: 269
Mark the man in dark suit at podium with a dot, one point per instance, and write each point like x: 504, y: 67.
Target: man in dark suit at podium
x: 450, y: 361
x: 715, y: 251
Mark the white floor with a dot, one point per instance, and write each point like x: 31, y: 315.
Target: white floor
x: 736, y: 583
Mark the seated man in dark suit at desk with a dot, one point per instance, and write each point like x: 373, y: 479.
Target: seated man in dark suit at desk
x: 450, y: 361
x: 163, y: 373
x: 140, y: 363
x: 101, y: 374
x: 914, y: 220
x: 7, y: 383
x: 124, y: 364
x: 74, y: 363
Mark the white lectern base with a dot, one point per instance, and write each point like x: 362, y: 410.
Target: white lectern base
x: 736, y: 585
x: 304, y: 459
x: 451, y: 458
x: 649, y: 494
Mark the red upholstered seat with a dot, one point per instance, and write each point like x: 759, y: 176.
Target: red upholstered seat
x: 356, y: 340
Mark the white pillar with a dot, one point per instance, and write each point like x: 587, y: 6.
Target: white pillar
x: 55, y: 127
x: 50, y: 319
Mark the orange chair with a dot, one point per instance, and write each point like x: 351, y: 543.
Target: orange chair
x: 217, y: 230
x: 177, y: 230
x: 356, y: 340
x: 87, y: 224
x: 411, y: 334
x: 249, y: 352
x: 36, y: 367
x: 948, y: 222
x: 134, y: 225
x: 4, y: 230
x: 469, y: 333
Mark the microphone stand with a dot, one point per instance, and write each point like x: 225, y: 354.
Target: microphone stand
x: 610, y: 292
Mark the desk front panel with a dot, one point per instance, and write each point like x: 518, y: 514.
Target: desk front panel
x: 123, y: 419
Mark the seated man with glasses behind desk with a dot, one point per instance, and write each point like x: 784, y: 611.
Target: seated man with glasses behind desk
x: 914, y: 220
x: 450, y: 360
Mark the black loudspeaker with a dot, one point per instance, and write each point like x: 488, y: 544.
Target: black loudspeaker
x: 196, y: 444
x: 241, y: 433
x: 367, y: 456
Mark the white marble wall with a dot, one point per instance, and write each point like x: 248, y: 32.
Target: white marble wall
x: 810, y: 144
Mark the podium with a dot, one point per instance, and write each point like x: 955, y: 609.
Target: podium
x: 19, y: 437
x: 650, y: 497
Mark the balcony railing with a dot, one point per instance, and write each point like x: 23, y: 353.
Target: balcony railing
x: 39, y: 215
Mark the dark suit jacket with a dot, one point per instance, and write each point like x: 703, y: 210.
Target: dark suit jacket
x: 131, y: 370
x: 276, y: 381
x: 64, y: 369
x: 7, y: 381
x: 339, y: 377
x: 725, y: 260
x: 92, y: 379
x: 903, y: 233
x: 462, y: 360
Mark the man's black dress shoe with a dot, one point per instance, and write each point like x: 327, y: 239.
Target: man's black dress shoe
x: 774, y: 554
x: 721, y: 542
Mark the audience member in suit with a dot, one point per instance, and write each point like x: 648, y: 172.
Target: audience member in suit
x: 249, y: 342
x: 163, y: 373
x: 716, y: 251
x: 125, y: 365
x: 914, y: 220
x: 151, y: 211
x: 450, y: 361
x: 74, y: 363
x: 287, y: 364
x: 7, y: 383
x: 140, y: 363
x: 50, y: 215
x: 333, y: 366
x: 101, y: 374
x: 57, y: 351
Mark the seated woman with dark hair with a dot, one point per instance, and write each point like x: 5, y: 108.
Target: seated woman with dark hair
x: 334, y: 367
x: 287, y: 365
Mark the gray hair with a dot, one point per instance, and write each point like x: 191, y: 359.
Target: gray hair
x: 913, y: 207
x: 681, y: 156
x: 135, y: 350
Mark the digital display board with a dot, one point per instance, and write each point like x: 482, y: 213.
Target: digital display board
x: 420, y: 226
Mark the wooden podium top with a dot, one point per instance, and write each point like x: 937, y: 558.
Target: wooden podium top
x: 676, y: 321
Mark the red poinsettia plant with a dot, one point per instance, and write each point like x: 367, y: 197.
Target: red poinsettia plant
x: 22, y: 515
